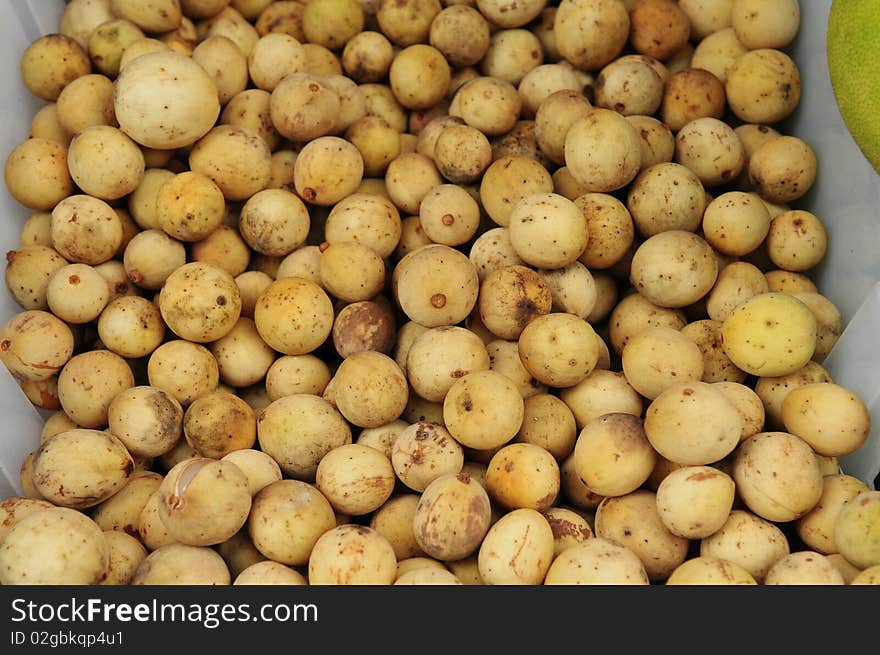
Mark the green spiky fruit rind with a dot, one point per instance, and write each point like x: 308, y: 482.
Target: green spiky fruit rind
x: 853, y: 44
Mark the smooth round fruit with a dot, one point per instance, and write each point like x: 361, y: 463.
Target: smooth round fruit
x: 770, y: 335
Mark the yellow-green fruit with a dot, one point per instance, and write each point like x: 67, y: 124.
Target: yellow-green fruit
x: 857, y: 530
x: 331, y: 23
x: 770, y: 335
x: 853, y: 40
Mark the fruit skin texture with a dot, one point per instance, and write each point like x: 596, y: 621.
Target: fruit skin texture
x: 852, y: 42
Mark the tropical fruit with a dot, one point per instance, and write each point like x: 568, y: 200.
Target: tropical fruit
x: 853, y: 43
